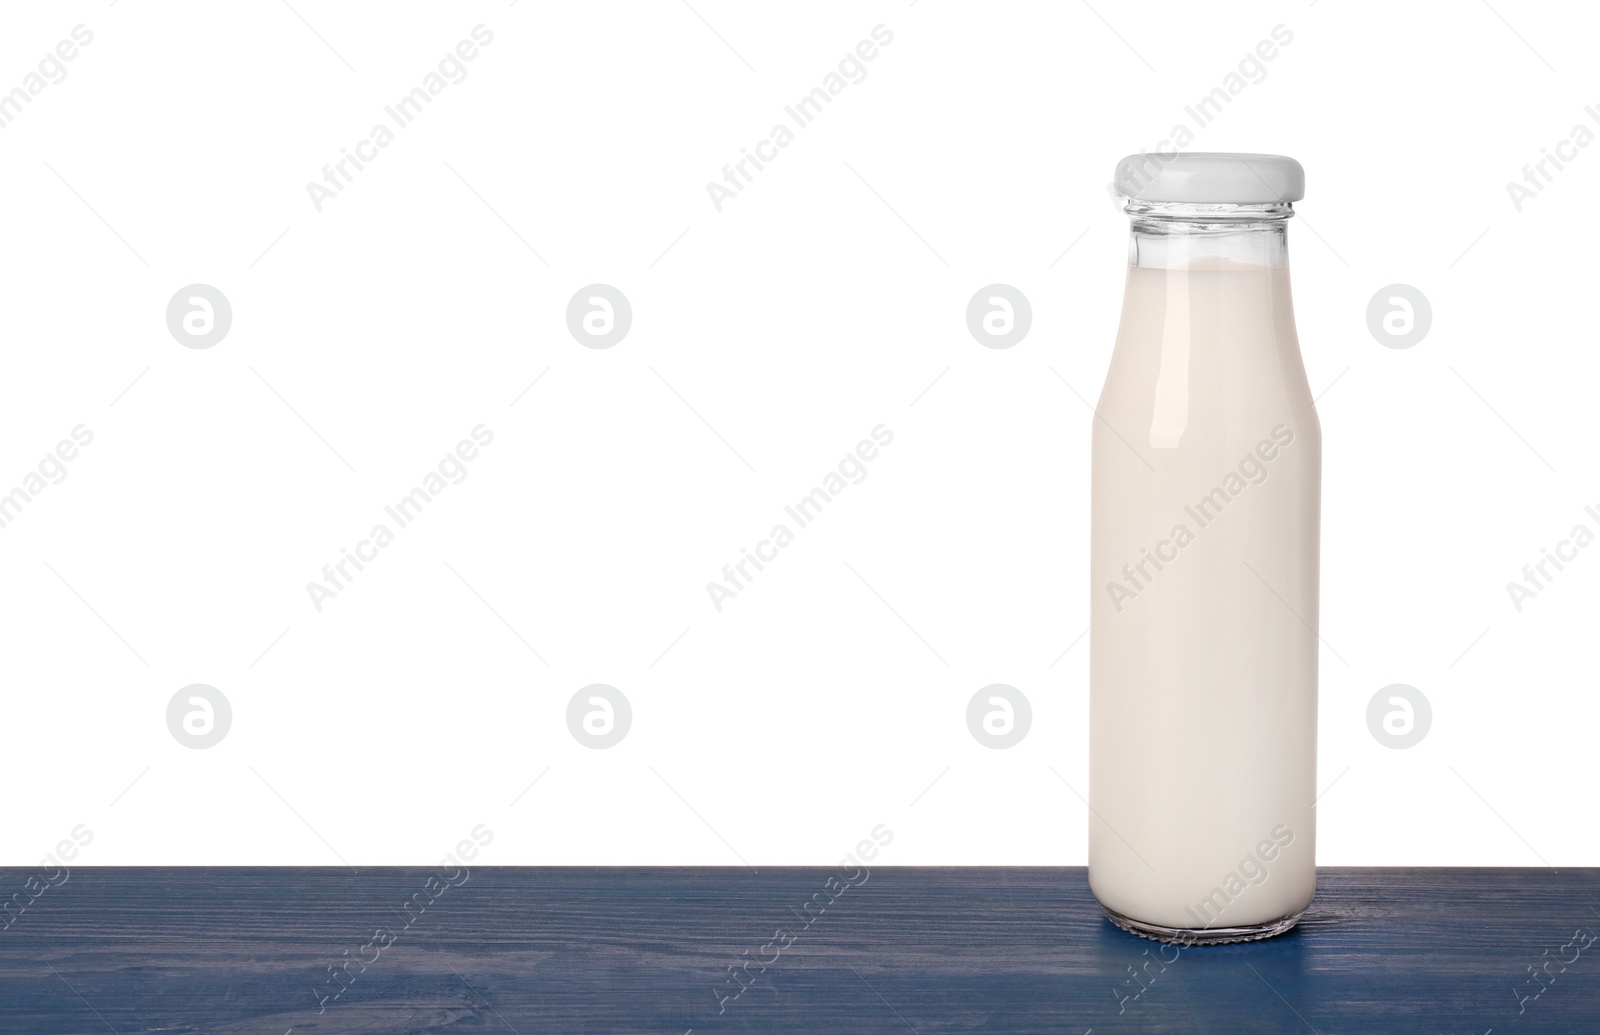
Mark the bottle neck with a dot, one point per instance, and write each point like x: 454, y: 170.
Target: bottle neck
x: 1169, y: 235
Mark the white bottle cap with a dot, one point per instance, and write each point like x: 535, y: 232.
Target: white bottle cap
x: 1210, y: 178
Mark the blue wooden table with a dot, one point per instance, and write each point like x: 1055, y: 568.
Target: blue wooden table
x: 270, y: 951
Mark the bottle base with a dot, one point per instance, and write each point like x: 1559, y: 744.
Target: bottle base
x: 1202, y: 935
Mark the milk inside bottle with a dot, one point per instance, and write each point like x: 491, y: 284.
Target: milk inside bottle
x: 1204, y: 536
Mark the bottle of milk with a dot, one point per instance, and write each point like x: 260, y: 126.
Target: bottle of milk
x: 1204, y: 533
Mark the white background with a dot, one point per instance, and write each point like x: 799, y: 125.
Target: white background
x: 770, y: 337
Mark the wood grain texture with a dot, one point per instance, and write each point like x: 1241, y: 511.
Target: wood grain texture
x: 926, y: 950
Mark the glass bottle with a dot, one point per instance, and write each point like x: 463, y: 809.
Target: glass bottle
x: 1206, y: 495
